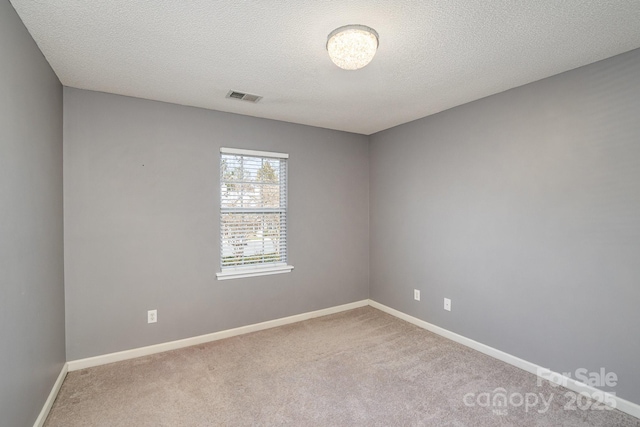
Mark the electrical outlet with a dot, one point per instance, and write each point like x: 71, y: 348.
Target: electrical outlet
x: 447, y: 304
x: 152, y: 316
x: 416, y: 294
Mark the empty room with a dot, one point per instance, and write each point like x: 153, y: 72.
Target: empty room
x: 319, y: 213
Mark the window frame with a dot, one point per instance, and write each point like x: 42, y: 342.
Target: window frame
x: 259, y: 269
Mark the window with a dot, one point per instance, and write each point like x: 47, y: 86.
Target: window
x: 253, y: 213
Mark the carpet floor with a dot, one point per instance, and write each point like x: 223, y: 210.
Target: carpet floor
x: 357, y: 368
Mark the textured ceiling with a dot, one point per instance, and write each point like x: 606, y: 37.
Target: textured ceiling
x: 433, y: 55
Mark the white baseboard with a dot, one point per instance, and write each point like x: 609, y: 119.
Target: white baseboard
x: 623, y: 405
x: 52, y: 397
x: 187, y: 342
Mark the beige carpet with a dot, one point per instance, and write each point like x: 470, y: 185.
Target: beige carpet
x: 357, y: 368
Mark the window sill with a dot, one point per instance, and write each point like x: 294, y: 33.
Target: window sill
x: 239, y: 273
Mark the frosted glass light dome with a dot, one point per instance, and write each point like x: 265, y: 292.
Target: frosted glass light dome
x: 353, y: 46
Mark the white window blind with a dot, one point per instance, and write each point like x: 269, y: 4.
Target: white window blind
x: 253, y: 212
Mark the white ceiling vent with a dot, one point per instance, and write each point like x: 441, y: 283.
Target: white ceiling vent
x: 243, y: 96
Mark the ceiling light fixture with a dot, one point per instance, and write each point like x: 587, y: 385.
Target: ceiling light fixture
x: 353, y: 46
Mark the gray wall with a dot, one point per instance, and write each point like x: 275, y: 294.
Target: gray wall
x: 31, y: 257
x: 142, y: 222
x: 524, y: 209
